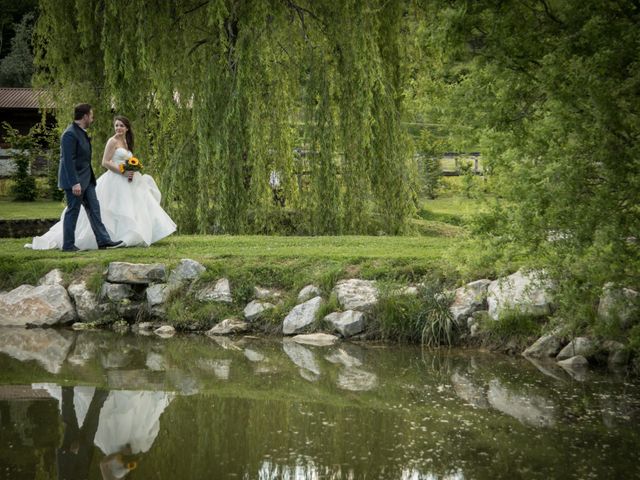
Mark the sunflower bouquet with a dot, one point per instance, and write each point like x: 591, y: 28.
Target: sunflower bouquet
x: 131, y: 165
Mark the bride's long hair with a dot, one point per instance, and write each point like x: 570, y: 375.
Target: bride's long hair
x: 129, y: 135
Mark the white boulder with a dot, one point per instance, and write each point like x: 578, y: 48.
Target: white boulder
x: 526, y: 293
x: 347, y: 323
x: 356, y: 294
x: 220, y: 292
x: 301, y: 316
x: 255, y: 309
x: 42, y: 305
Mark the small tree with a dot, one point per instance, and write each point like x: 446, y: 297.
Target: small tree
x: 468, y: 178
x: 24, y: 150
x: 432, y: 172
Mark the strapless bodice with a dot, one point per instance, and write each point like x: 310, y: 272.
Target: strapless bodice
x: 121, y: 155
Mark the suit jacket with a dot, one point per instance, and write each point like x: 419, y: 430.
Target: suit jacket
x: 75, y: 159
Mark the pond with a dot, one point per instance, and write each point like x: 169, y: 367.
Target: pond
x: 101, y: 405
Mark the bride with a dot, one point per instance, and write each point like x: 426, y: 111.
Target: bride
x: 129, y: 202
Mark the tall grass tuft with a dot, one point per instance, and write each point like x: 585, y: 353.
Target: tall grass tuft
x: 438, y: 325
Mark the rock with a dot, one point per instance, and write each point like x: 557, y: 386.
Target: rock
x: 577, y: 361
x: 116, y: 292
x: 469, y: 299
x: 145, y: 326
x: 220, y: 292
x: 618, y: 355
x: 229, y: 326
x: 84, y: 349
x: 42, y: 305
x: 266, y: 294
x: 157, y: 294
x: 357, y: 380
x: 120, y: 326
x: 619, y: 304
x: 46, y: 346
x: 130, y: 310
x: 221, y: 368
x: 156, y: 362
x: 546, y: 346
x: 301, y: 316
x: 316, y: 339
x: 342, y: 357
x: 82, y: 326
x: 225, y: 342
x: 118, y: 358
x: 309, y: 375
x: 347, y: 323
x: 165, y: 331
x: 255, y: 309
x: 301, y: 356
x: 85, y: 300
x: 468, y: 391
x: 411, y: 290
x: 253, y: 356
x: 186, y: 271
x: 578, y: 346
x: 525, y: 293
x: 136, y: 273
x: 308, y: 292
x: 547, y: 368
x: 527, y: 408
x: 356, y: 294
x: 54, y: 277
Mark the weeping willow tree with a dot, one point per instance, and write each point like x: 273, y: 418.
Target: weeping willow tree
x: 249, y: 113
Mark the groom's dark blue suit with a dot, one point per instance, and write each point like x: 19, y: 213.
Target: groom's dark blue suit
x: 75, y: 168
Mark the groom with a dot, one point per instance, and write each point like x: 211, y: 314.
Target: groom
x: 76, y: 177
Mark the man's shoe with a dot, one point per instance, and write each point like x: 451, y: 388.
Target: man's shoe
x: 72, y: 249
x: 110, y: 244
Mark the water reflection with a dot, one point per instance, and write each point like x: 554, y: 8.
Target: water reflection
x: 122, y: 424
x: 48, y: 347
x: 98, y: 405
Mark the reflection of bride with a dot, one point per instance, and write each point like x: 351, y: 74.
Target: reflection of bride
x: 130, y: 420
x: 129, y: 202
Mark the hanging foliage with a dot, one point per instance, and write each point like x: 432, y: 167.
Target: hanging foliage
x: 248, y: 113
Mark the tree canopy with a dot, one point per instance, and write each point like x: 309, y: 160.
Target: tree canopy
x: 549, y: 90
x: 228, y: 94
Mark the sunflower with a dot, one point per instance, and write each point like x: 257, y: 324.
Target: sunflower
x: 121, y: 167
x: 134, y: 161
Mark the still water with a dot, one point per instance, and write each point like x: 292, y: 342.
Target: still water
x: 99, y: 405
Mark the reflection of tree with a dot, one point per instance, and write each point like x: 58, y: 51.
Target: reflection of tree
x: 76, y: 451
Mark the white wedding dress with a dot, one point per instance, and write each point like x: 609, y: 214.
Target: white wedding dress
x: 130, y: 211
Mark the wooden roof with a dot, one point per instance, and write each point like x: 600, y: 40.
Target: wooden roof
x: 24, y: 98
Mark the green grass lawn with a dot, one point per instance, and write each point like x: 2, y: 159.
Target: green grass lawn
x: 285, y: 261
x: 276, y: 260
x: 40, y: 209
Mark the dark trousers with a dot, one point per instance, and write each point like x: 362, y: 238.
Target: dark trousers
x: 89, y: 201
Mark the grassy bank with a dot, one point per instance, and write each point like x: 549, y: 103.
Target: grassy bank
x: 298, y: 259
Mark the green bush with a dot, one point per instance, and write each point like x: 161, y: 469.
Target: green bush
x: 24, y: 151
x: 397, y: 317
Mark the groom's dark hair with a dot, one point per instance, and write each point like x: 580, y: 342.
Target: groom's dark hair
x: 81, y: 110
